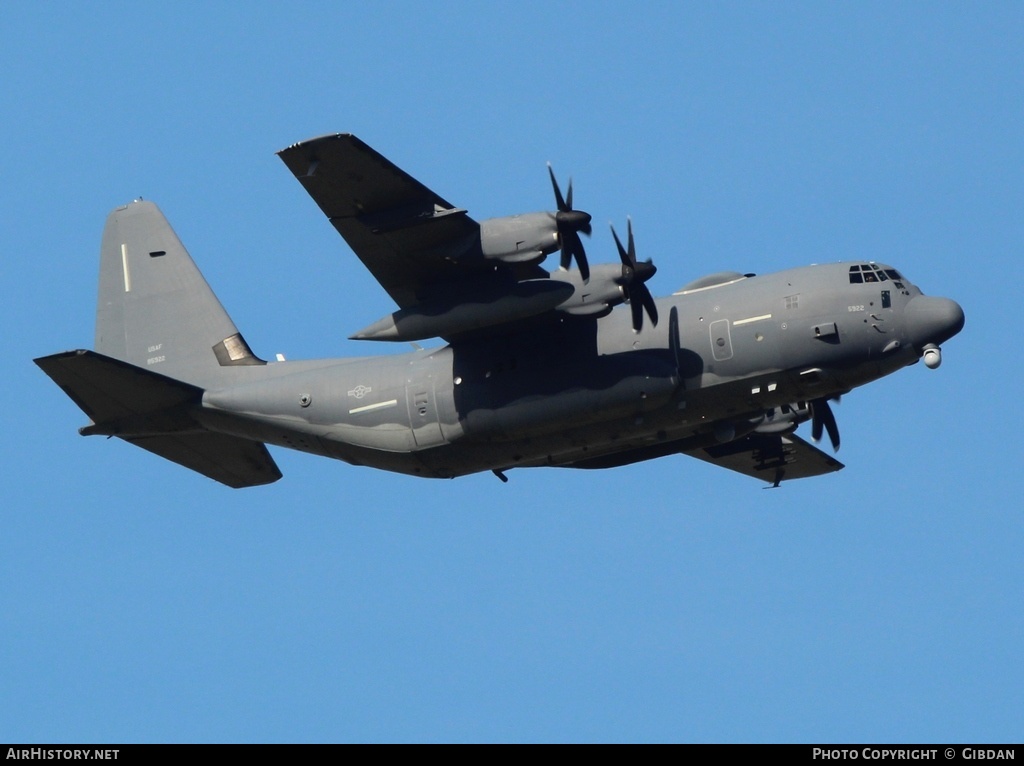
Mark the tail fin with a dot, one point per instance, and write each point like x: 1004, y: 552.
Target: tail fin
x: 155, y: 309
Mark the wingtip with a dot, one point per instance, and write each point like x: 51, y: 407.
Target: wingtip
x: 316, y: 140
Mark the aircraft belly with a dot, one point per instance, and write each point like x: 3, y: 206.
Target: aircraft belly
x: 535, y: 415
x: 562, y: 447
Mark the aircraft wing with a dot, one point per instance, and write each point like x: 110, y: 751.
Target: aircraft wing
x: 413, y: 241
x: 771, y: 457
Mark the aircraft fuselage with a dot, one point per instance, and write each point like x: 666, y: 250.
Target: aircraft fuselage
x: 596, y: 393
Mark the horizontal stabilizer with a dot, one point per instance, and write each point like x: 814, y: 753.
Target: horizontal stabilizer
x: 228, y: 459
x: 152, y: 411
x: 109, y: 390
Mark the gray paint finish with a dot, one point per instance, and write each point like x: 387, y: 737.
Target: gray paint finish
x: 582, y: 370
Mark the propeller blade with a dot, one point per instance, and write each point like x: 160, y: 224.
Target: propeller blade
x: 822, y: 418
x: 569, y: 223
x: 832, y: 428
x: 626, y: 254
x: 566, y: 260
x: 816, y: 428
x: 572, y: 248
x: 558, y: 192
x: 648, y: 303
x: 638, y: 314
x: 622, y: 251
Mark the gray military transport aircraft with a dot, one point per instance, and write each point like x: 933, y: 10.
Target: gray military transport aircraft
x: 540, y: 368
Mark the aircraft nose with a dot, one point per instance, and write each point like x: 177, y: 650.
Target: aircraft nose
x: 933, y: 320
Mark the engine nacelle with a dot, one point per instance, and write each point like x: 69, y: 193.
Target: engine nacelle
x: 461, y: 314
x: 519, y: 238
x: 597, y: 297
x: 784, y: 419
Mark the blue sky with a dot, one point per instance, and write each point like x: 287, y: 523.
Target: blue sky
x: 664, y: 601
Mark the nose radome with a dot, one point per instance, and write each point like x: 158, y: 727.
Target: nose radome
x: 933, y: 320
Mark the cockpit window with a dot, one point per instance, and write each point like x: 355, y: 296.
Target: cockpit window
x: 869, y: 272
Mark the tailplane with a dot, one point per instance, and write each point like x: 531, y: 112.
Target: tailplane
x: 152, y: 411
x: 155, y: 309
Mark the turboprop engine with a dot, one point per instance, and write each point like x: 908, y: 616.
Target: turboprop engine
x: 532, y: 236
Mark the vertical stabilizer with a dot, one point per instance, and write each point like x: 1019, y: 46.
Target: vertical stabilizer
x: 155, y: 309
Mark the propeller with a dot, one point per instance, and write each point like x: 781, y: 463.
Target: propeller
x: 569, y: 223
x: 632, y: 280
x: 822, y: 418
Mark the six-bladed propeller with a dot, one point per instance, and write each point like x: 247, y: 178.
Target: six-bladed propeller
x: 634, y: 275
x: 570, y: 222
